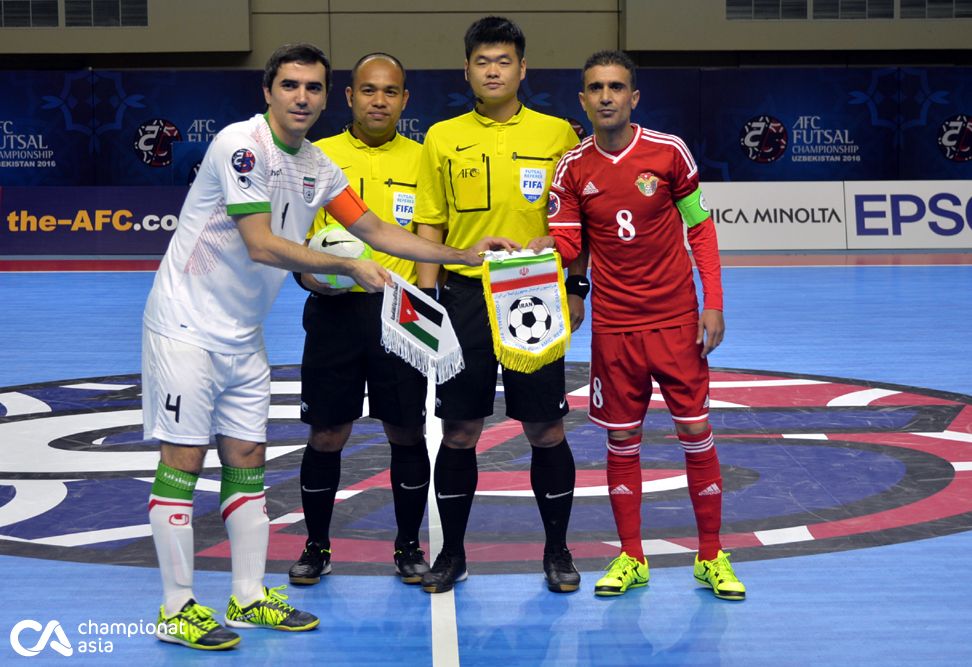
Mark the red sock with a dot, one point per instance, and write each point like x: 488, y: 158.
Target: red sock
x: 624, y: 489
x: 705, y: 489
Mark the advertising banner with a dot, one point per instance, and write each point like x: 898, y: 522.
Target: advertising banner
x: 88, y: 221
x: 778, y: 216
x: 893, y: 215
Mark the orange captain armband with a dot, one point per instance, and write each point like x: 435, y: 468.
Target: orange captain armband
x: 347, y: 207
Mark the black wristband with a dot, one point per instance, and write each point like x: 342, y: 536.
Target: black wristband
x: 430, y: 292
x: 577, y: 285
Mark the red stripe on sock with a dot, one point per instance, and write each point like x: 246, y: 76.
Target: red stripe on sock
x: 232, y: 507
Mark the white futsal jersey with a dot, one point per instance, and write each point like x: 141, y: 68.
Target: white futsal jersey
x: 208, y: 292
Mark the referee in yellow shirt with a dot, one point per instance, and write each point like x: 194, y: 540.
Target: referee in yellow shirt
x: 342, y: 347
x: 489, y: 171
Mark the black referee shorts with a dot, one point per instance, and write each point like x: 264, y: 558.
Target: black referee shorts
x: 342, y: 351
x: 530, y: 397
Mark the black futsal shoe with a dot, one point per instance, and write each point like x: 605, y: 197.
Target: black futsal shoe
x: 315, y: 561
x: 410, y: 563
x: 447, y: 570
x: 559, y: 570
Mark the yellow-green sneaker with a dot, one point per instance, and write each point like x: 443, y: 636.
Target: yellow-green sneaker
x: 717, y: 574
x: 271, y: 611
x: 193, y: 626
x: 623, y: 573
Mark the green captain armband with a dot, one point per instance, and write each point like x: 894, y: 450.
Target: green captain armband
x: 693, y: 208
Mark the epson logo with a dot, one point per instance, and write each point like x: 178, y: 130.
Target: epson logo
x: 944, y: 213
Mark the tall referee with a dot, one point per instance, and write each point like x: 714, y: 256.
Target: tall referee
x: 478, y: 174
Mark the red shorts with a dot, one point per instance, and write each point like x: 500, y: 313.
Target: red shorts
x: 624, y: 364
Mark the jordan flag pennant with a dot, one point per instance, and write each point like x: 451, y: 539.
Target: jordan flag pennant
x: 417, y: 329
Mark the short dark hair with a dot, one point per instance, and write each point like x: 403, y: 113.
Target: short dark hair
x: 381, y: 55
x: 608, y: 57
x: 495, y: 30
x: 301, y: 52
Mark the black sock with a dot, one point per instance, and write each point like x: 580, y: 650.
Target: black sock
x: 320, y: 474
x: 410, y: 474
x: 552, y: 476
x: 456, y: 476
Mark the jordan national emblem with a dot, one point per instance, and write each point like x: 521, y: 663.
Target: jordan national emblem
x: 647, y: 183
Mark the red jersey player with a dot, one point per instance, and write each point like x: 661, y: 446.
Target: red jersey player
x: 627, y: 191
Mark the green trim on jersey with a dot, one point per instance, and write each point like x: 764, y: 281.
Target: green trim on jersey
x: 693, y: 209
x: 276, y: 141
x: 173, y: 483
x: 248, y: 208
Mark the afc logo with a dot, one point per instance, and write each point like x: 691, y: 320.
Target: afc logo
x: 763, y: 139
x: 553, y: 205
x: 955, y: 138
x: 469, y: 172
x: 243, y: 160
x: 153, y: 142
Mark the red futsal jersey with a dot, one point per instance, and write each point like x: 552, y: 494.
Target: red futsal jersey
x: 624, y: 204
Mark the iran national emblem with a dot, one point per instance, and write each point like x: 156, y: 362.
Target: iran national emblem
x: 309, y: 186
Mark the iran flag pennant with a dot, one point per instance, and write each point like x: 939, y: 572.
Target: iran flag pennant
x: 417, y: 329
x: 527, y: 306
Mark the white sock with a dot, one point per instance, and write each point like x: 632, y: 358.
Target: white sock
x: 171, y: 522
x: 245, y: 516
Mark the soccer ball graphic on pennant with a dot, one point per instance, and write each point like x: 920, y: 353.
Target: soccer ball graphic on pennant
x: 529, y: 321
x: 336, y: 240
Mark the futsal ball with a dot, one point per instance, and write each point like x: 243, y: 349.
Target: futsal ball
x: 334, y: 239
x: 530, y: 321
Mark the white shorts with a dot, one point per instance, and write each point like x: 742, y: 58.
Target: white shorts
x: 190, y: 394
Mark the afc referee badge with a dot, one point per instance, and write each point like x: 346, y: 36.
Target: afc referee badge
x: 647, y: 183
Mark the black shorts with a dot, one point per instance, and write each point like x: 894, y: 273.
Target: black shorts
x: 342, y: 350
x: 529, y: 397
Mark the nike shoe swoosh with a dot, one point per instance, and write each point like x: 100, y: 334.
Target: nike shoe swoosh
x: 550, y: 496
x: 304, y: 488
x: 447, y: 497
x: 460, y: 149
x: 413, y: 488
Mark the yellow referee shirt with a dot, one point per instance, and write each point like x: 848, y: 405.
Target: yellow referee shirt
x: 481, y: 178
x: 384, y: 177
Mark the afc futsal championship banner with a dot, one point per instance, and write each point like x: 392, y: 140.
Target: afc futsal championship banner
x: 152, y: 127
x: 832, y: 124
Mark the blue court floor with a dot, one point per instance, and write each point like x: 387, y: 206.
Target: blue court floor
x: 904, y: 601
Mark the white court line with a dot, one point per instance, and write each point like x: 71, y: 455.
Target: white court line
x: 949, y: 435
x: 445, y: 633
x: 860, y: 398
x: 98, y: 386
x: 784, y: 535
x: 17, y: 404
x: 961, y: 466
